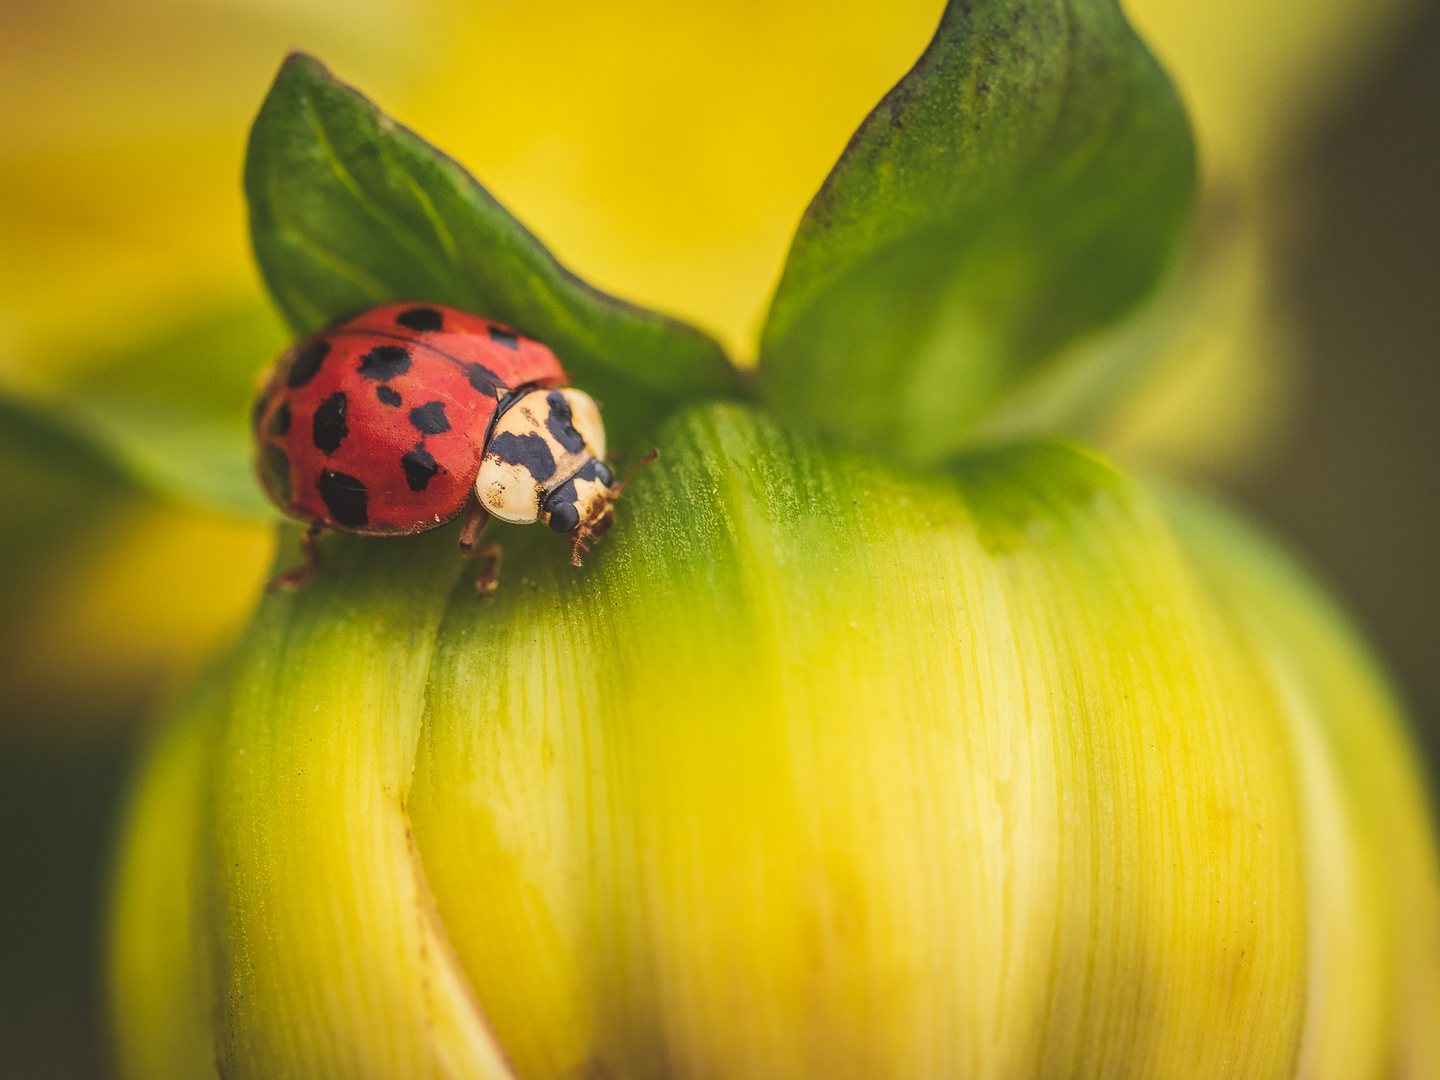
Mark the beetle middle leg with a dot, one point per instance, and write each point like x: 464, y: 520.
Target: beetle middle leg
x: 476, y: 518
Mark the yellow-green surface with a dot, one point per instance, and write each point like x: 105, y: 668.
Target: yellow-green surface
x: 816, y: 769
x: 1374, y: 890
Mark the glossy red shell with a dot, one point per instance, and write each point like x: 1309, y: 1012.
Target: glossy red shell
x: 378, y: 424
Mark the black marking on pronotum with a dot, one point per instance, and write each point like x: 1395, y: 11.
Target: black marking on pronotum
x: 430, y: 419
x: 328, y: 430
x: 277, y: 471
x: 384, y: 362
x: 596, y: 470
x: 561, y: 423
x: 388, y: 396
x: 421, y: 318
x: 564, y: 515
x: 503, y: 404
x: 419, y: 467
x: 510, y: 400
x: 345, y: 497
x: 307, y: 363
x: 483, y: 379
x: 257, y: 410
x: 501, y: 336
x: 280, y: 419
x: 528, y: 450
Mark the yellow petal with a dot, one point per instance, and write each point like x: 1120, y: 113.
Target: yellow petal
x: 825, y: 771
x: 329, y: 959
x: 815, y: 769
x: 1373, y: 883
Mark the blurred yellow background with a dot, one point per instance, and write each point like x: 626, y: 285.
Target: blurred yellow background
x: 664, y: 152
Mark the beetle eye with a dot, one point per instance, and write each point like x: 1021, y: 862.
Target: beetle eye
x: 563, y: 515
x: 603, y: 473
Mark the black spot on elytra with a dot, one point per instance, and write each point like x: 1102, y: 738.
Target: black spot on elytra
x: 280, y: 420
x: 531, y: 451
x: 430, y: 419
x: 329, y: 429
x: 507, y: 338
x: 564, y: 515
x: 257, y: 410
x: 345, y: 497
x: 307, y: 364
x: 384, y: 362
x: 483, y: 379
x: 277, y: 471
x: 421, y: 318
x: 419, y: 467
x: 388, y: 396
x: 561, y: 423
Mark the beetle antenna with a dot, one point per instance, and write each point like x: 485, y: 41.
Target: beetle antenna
x: 618, y: 488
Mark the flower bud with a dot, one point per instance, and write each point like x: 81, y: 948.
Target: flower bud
x: 816, y: 769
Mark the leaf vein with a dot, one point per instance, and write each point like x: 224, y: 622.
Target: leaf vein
x: 440, y: 270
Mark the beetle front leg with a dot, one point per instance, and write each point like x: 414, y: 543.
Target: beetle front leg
x: 476, y: 518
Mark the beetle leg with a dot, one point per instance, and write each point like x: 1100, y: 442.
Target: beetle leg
x: 476, y: 518
x: 300, y: 576
x: 489, y: 578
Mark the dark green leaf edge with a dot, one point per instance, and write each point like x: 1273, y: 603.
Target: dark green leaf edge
x: 349, y: 208
x: 1089, y: 382
x: 959, y: 199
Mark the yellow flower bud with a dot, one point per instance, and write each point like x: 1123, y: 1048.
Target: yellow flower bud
x: 817, y: 769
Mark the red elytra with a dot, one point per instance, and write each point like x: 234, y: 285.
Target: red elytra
x: 377, y: 425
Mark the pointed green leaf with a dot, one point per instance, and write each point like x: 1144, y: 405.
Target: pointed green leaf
x: 1022, y: 187
x: 349, y: 209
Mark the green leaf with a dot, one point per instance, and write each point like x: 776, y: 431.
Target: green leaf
x: 1024, y: 186
x: 170, y: 416
x: 52, y: 481
x: 349, y: 209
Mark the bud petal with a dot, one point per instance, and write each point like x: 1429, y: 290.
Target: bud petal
x: 329, y: 959
x: 1372, y: 878
x: 827, y: 771
x: 817, y: 768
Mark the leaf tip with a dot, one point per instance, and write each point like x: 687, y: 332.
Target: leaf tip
x: 299, y: 62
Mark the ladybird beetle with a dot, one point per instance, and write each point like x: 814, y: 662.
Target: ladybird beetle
x: 396, y: 420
